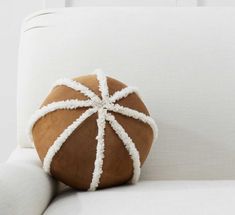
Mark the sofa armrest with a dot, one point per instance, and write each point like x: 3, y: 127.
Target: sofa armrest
x: 24, y: 187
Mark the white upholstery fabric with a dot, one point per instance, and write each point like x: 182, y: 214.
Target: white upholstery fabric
x: 151, y: 197
x: 182, y: 59
x: 25, y: 189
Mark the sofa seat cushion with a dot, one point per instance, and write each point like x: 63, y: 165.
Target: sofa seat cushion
x: 150, y: 197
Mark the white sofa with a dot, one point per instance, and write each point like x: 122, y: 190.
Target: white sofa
x: 182, y: 60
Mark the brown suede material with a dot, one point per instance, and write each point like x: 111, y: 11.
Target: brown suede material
x: 48, y: 128
x: 117, y: 166
x: 73, y: 164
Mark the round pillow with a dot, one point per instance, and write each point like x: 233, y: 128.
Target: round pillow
x: 93, y: 132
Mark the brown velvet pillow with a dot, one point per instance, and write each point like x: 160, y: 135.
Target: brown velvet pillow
x: 93, y: 132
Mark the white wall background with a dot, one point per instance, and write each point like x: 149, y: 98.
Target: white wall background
x: 166, y: 3
x: 11, y: 14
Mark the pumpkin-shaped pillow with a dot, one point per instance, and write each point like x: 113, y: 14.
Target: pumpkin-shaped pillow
x: 93, y: 132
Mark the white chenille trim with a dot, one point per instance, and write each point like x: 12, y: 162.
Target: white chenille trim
x: 67, y: 104
x: 63, y: 137
x: 77, y: 87
x: 103, y: 86
x: 102, y: 105
x: 99, y: 150
x: 122, y: 93
x: 136, y: 115
x: 130, y: 146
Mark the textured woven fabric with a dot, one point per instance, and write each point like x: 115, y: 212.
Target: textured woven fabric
x: 151, y: 197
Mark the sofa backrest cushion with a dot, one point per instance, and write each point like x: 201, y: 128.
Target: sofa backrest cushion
x: 182, y: 59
